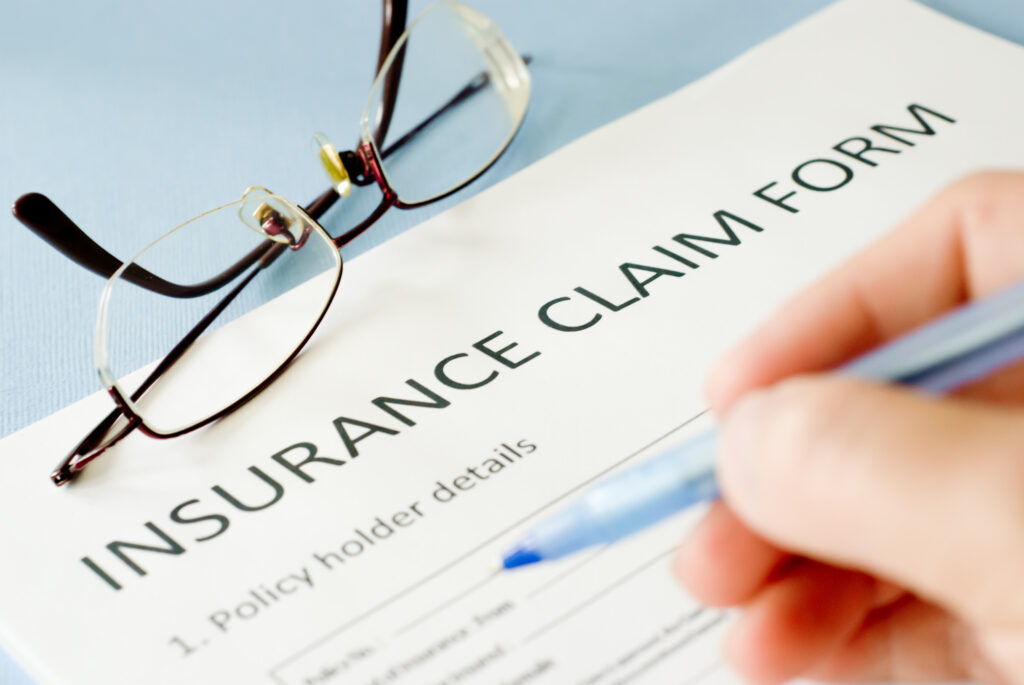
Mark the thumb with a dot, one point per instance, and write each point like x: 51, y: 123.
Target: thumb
x: 922, y: 491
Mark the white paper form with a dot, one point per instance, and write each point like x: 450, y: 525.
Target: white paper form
x: 478, y: 371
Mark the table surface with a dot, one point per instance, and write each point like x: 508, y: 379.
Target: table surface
x: 133, y: 116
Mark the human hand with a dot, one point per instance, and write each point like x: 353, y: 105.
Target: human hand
x: 869, y: 532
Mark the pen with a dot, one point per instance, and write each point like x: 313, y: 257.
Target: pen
x: 963, y: 346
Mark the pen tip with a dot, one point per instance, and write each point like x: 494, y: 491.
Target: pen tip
x: 520, y: 556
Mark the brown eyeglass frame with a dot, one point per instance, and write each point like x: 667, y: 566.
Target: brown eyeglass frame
x: 363, y: 165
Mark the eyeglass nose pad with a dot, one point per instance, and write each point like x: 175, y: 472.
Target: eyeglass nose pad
x: 273, y: 217
x: 273, y: 222
x: 331, y: 162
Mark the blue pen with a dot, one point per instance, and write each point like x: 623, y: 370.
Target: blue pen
x: 963, y: 346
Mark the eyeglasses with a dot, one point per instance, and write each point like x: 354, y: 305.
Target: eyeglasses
x: 464, y: 93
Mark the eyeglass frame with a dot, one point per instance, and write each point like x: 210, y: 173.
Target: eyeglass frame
x: 363, y: 167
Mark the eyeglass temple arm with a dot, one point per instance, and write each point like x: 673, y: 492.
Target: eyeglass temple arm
x: 97, y: 441
x: 395, y: 14
x: 46, y: 220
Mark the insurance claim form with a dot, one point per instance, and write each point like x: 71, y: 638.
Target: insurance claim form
x: 480, y: 370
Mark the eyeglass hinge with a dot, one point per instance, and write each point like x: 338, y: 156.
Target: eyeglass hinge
x: 356, y: 166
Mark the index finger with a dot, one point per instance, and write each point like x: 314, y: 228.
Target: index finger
x: 966, y: 242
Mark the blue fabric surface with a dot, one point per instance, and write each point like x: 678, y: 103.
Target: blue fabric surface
x: 134, y: 116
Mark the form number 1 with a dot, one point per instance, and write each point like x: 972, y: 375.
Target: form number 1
x: 185, y: 647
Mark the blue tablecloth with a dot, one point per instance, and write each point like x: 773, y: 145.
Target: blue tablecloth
x: 137, y: 115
